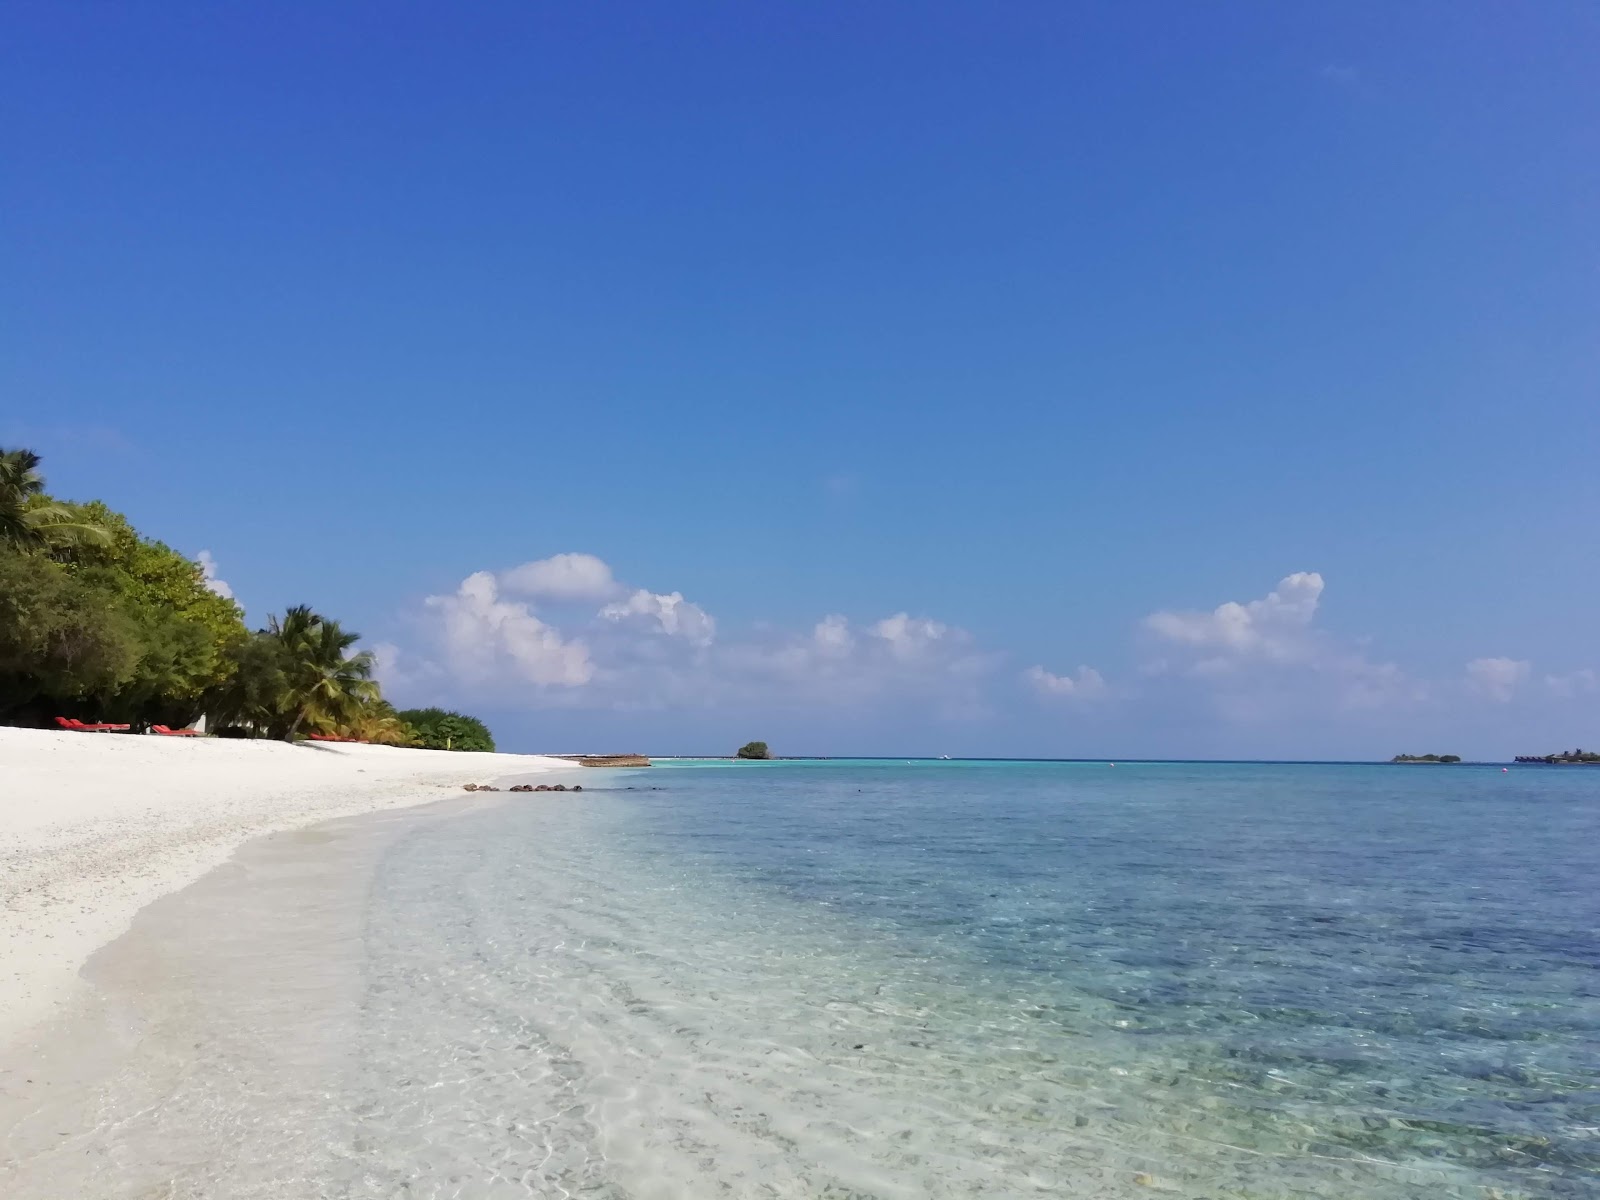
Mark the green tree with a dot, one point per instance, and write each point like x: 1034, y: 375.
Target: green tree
x: 252, y: 695
x: 324, y: 682
x: 62, y: 641
x: 29, y: 519
x: 377, y: 721
x: 96, y: 618
x: 440, y: 729
x: 187, y: 631
x: 297, y: 675
x: 753, y: 750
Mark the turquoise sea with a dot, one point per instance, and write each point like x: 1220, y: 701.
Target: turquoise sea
x: 976, y: 979
x: 881, y: 978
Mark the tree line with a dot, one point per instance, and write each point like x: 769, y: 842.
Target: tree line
x: 102, y: 623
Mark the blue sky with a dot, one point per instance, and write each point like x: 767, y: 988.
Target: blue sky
x: 1051, y: 327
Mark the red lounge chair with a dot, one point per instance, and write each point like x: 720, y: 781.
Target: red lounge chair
x: 78, y: 726
x: 165, y: 732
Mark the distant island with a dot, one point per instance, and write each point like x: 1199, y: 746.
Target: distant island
x: 1565, y: 757
x: 1426, y: 758
x: 756, y: 750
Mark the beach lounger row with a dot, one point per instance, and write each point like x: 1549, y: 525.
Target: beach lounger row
x: 77, y: 726
x: 73, y: 725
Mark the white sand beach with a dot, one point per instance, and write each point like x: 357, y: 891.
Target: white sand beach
x: 95, y: 826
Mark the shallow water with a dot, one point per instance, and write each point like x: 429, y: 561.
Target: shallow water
x: 877, y: 980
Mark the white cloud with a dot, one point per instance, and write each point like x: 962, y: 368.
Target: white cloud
x: 1265, y: 657
x: 483, y: 634
x: 650, y: 649
x: 1086, y: 684
x: 399, y: 671
x: 909, y: 638
x: 794, y: 661
x: 208, y: 572
x: 910, y: 659
x: 1272, y: 627
x: 901, y: 658
x: 1497, y: 678
x: 670, y: 614
x: 540, y: 635
x: 386, y: 662
x: 562, y: 577
x: 832, y: 636
x: 1367, y: 684
x: 1574, y: 683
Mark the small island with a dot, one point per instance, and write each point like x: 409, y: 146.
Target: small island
x: 1426, y: 758
x: 753, y: 750
x: 1563, y: 758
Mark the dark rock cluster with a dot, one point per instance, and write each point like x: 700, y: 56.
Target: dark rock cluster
x: 526, y: 787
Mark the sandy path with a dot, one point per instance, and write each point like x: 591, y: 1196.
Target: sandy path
x: 95, y: 826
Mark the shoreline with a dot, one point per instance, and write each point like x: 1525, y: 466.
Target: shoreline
x: 97, y: 827
x: 257, y: 965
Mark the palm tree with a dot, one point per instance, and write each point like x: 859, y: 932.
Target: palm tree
x: 323, y: 681
x: 378, y: 722
x: 29, y: 519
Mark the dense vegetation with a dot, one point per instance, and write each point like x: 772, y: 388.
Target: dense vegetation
x: 1426, y: 758
x: 753, y: 750
x: 437, y: 729
x: 101, y: 623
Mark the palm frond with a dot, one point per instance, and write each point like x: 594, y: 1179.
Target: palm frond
x: 30, y: 519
